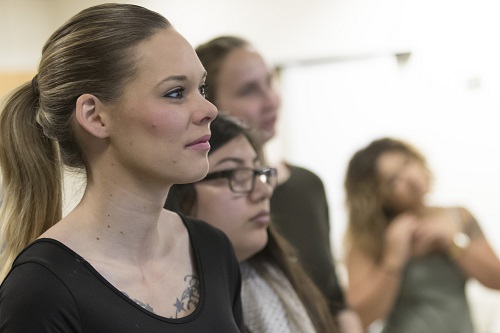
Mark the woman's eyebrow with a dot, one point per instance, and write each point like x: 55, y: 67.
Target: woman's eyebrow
x: 174, y: 78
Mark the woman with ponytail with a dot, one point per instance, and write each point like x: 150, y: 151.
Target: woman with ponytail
x: 119, y: 94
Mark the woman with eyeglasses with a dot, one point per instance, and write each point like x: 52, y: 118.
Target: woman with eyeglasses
x: 241, y: 83
x: 277, y: 295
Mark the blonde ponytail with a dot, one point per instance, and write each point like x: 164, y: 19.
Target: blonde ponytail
x: 92, y: 53
x: 31, y: 196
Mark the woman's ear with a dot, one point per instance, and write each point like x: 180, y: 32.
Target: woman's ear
x: 91, y: 115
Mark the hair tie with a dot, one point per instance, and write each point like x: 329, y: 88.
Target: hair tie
x: 34, y: 86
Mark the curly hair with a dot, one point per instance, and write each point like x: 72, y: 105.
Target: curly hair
x: 368, y: 214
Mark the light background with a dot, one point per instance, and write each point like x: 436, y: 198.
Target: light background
x: 343, y: 86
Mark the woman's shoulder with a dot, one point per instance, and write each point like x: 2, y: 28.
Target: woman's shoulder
x: 201, y: 228
x: 460, y: 211
x: 46, y: 251
x: 205, y: 237
x: 30, y: 294
x: 35, y: 289
x: 303, y: 175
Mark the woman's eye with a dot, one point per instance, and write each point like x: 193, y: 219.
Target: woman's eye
x: 203, y: 90
x: 247, y: 90
x: 176, y: 93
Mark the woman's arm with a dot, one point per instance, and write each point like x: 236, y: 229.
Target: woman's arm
x: 477, y: 260
x: 372, y: 289
x: 373, y: 286
x: 437, y: 232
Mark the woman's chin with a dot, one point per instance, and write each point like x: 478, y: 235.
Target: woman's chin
x: 195, y: 175
x: 256, y: 247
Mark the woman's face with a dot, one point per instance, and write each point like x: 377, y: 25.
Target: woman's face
x: 244, y: 218
x: 404, y: 181
x: 245, y: 90
x: 159, y: 129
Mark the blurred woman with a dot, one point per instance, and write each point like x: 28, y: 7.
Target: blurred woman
x: 240, y: 83
x: 408, y: 262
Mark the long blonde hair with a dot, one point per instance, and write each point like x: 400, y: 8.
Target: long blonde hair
x: 368, y: 214
x: 91, y: 53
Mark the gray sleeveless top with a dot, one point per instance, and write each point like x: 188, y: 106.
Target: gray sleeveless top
x: 431, y: 298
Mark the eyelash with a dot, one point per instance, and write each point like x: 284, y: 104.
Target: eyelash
x: 247, y: 90
x: 203, y: 90
x: 179, y: 92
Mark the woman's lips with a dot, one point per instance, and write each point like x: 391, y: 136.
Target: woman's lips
x: 201, y: 143
x: 263, y: 218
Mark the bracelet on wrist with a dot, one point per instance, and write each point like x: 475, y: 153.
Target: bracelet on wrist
x: 460, y: 242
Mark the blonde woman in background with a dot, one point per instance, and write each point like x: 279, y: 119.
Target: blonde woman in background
x: 120, y: 94
x: 408, y: 262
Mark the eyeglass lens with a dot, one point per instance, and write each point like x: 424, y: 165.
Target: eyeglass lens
x: 243, y: 180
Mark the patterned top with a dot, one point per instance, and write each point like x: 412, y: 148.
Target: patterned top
x: 270, y: 304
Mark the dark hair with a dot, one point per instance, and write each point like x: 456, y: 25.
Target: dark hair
x: 182, y: 198
x: 94, y: 53
x: 224, y: 128
x: 212, y: 54
x: 368, y: 215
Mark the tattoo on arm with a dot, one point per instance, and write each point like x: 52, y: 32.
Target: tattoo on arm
x: 190, y: 296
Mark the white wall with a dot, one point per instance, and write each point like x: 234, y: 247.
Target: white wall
x: 444, y: 99
x: 332, y: 110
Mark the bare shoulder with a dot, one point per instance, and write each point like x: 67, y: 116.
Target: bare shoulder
x: 470, y: 224
x: 431, y: 211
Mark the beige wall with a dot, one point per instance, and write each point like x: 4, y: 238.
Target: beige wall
x: 9, y: 81
x: 285, y: 30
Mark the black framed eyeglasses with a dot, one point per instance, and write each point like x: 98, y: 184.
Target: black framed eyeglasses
x: 242, y: 180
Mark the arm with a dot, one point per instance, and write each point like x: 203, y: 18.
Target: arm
x: 436, y: 233
x: 32, y: 299
x: 478, y: 260
x: 372, y: 289
x: 373, y: 286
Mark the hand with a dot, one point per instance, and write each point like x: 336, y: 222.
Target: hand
x: 398, y: 241
x: 434, y: 233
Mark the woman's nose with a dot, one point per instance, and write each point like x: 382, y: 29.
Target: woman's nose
x: 271, y: 99
x: 207, y: 113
